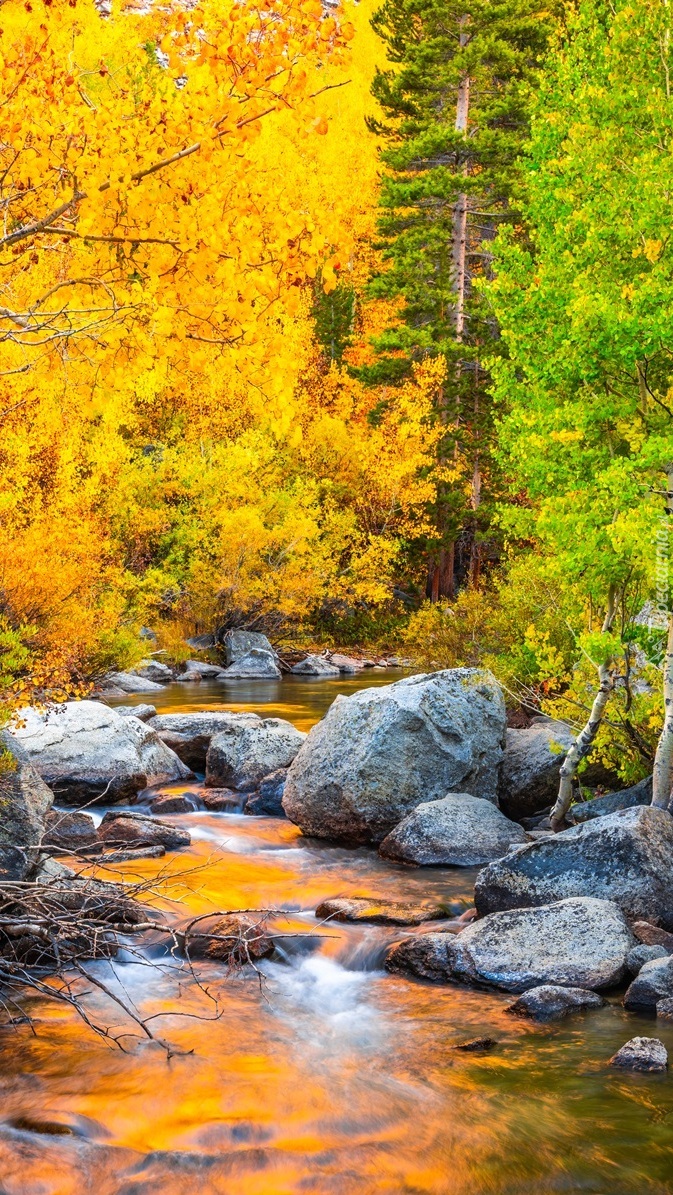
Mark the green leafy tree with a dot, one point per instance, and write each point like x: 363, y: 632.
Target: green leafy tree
x: 456, y: 102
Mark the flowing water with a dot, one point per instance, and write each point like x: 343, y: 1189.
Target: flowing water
x: 322, y: 1074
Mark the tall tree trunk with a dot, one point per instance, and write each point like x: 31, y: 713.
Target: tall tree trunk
x: 584, y: 741
x: 662, y: 779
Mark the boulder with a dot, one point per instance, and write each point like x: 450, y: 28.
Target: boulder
x: 665, y: 1008
x: 137, y: 829
x: 153, y: 670
x: 641, y: 1054
x: 223, y: 800
x: 237, y: 645
x: 88, y: 752
x: 189, y: 678
x: 315, y: 666
x: 574, y: 943
x: 204, y: 669
x: 347, y: 664
x: 173, y: 804
x: 128, y: 682
x: 236, y: 939
x: 256, y: 664
x: 70, y: 832
x: 624, y: 857
x: 653, y: 935
x: 628, y: 798
x: 381, y: 752
x: 551, y: 1002
x: 143, y: 712
x: 268, y: 800
x: 129, y: 856
x: 642, y: 954
x: 244, y: 753
x: 373, y: 911
x: 189, y: 735
x: 458, y: 831
x: 529, y: 778
x: 653, y: 982
x: 25, y: 801
x: 202, y: 642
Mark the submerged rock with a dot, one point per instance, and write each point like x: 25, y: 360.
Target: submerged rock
x: 573, y: 943
x: 315, y: 666
x: 257, y: 664
x: 625, y: 857
x: 245, y: 752
x: 529, y: 778
x: 87, y: 752
x: 189, y: 735
x: 641, y: 1054
x: 25, y: 801
x: 137, y: 829
x: 268, y: 800
x: 457, y: 831
x: 379, y: 912
x: 550, y: 1002
x: 654, y: 982
x: 381, y: 752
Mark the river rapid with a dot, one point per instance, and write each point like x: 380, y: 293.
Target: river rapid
x: 321, y: 1074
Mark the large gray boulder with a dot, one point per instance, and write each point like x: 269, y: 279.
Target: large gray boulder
x: 628, y: 798
x: 579, y: 943
x: 458, y: 831
x: 87, y: 752
x: 154, y: 670
x: 129, y: 682
x: 245, y: 752
x: 625, y: 857
x: 315, y: 666
x: 529, y: 778
x: 654, y: 982
x: 25, y: 801
x: 189, y: 735
x: 237, y: 645
x: 256, y: 665
x: 381, y: 752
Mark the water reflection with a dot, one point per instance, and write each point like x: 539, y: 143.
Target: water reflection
x: 322, y: 1074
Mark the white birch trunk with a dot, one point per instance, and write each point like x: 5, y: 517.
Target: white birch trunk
x: 662, y: 778
x: 586, y: 736
x: 459, y: 231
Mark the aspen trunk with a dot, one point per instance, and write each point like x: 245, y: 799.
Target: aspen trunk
x: 584, y: 741
x: 662, y: 778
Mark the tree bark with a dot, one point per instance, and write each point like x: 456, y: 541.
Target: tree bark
x: 662, y: 778
x: 584, y: 741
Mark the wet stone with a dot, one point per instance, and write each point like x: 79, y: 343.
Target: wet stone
x: 137, y: 829
x: 550, y: 1002
x: 379, y: 912
x: 641, y: 1054
x: 223, y: 800
x: 665, y: 1008
x: 478, y: 1045
x: 653, y: 982
x: 177, y: 804
x: 236, y: 939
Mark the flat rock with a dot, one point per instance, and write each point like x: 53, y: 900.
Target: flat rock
x: 237, y: 645
x: 580, y: 943
x: 641, y: 1054
x: 529, y: 778
x: 457, y: 831
x: 137, y: 829
x: 142, y: 711
x: 87, y: 752
x: 129, y: 682
x: 268, y: 800
x: 257, y: 664
x: 189, y: 735
x: 140, y: 852
x: 378, y: 912
x: 625, y: 857
x: 68, y: 831
x: 653, y: 982
x: 315, y: 666
x: 381, y: 752
x: 550, y: 1002
x: 25, y: 802
x: 642, y: 954
x: 628, y: 798
x: 237, y: 940
x: 245, y: 752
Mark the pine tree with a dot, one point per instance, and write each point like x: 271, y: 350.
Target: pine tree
x: 456, y: 103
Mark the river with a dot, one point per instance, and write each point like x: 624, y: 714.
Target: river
x: 322, y: 1075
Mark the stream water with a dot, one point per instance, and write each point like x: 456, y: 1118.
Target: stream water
x: 324, y: 1074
